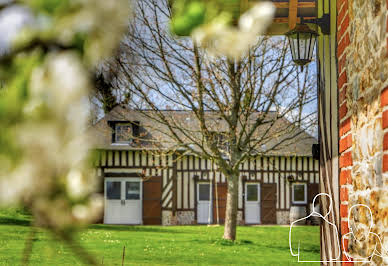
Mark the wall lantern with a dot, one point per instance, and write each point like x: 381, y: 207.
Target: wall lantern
x: 302, y: 39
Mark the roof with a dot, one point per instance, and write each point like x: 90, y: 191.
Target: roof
x: 153, y: 135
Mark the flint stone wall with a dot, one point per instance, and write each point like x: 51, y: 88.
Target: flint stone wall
x: 363, y: 113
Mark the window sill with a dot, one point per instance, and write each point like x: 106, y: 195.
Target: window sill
x: 299, y: 203
x: 120, y: 144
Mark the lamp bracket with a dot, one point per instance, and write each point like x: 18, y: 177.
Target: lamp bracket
x: 323, y: 22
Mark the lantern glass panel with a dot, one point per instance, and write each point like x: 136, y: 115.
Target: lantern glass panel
x: 304, y: 44
x: 302, y: 48
x: 291, y: 41
x: 312, y: 45
x: 296, y: 48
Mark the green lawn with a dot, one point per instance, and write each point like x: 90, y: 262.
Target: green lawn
x: 156, y: 245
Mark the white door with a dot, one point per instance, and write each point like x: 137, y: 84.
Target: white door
x: 204, y: 205
x: 252, y: 203
x: 123, y: 201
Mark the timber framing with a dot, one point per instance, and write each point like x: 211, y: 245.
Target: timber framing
x: 180, y: 175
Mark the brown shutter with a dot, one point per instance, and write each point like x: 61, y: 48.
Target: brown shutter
x: 268, y: 203
x: 222, y: 189
x: 312, y: 191
x: 152, y: 196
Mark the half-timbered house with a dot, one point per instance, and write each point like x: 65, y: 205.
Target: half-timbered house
x: 145, y: 183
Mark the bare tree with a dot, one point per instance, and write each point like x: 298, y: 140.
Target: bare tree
x: 236, y: 104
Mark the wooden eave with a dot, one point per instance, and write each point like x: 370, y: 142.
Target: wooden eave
x: 288, y: 13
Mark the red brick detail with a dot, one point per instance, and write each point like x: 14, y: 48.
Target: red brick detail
x: 341, y: 64
x: 343, y: 110
x: 385, y: 119
x: 343, y: 27
x: 345, y: 177
x: 340, y: 2
x: 342, y: 44
x: 342, y: 94
x: 345, y: 127
x: 342, y: 79
x: 345, y: 143
x: 384, y: 97
x: 385, y: 143
x: 345, y: 230
x: 346, y: 159
x: 344, y: 196
x: 341, y: 15
x: 344, y: 211
x: 385, y: 163
x: 344, y: 258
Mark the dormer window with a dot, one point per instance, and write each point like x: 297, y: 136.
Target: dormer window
x: 124, y: 132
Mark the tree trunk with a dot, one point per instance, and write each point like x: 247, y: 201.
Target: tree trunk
x: 231, y: 208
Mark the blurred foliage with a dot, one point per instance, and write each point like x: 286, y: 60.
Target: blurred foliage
x: 50, y: 7
x: 190, y: 14
x: 222, y: 27
x: 45, y: 159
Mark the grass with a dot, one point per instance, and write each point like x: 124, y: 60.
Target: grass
x: 155, y: 245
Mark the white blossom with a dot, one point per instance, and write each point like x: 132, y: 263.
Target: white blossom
x: 218, y: 38
x: 51, y: 174
x: 60, y: 82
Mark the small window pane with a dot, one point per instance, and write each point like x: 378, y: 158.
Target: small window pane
x: 113, y: 190
x: 252, y: 193
x: 296, y: 47
x: 312, y: 45
x: 299, y: 193
x: 132, y: 190
x: 123, y: 133
x: 204, y: 192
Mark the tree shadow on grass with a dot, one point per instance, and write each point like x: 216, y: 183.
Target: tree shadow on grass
x: 312, y: 249
x: 223, y: 242
x: 132, y: 228
x: 14, y: 221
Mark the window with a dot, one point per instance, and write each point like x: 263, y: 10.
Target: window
x: 299, y: 193
x: 252, y: 192
x: 204, y: 192
x: 132, y: 190
x: 113, y: 190
x: 123, y: 133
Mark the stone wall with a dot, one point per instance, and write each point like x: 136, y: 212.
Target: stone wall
x: 362, y: 48
x: 185, y: 217
x: 283, y: 217
x: 167, y: 218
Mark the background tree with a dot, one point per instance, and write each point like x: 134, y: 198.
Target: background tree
x: 238, y: 104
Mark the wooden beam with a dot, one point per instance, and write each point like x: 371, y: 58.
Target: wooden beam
x: 292, y: 13
x: 286, y: 20
x: 280, y: 4
x: 280, y: 26
x: 299, y: 5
